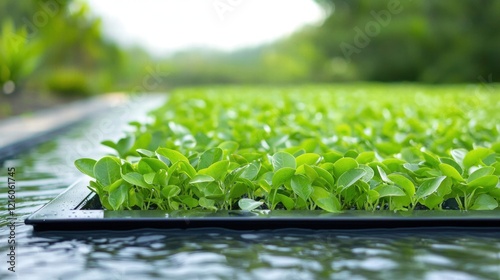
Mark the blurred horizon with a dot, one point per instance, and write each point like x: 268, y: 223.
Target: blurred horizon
x: 54, y: 50
x: 165, y: 27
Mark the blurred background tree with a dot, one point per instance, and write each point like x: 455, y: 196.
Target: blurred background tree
x: 421, y: 41
x: 427, y: 41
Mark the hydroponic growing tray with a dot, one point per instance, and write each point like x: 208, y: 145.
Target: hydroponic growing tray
x: 74, y: 210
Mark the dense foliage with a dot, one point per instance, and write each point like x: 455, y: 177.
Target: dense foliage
x: 59, y: 47
x: 398, y: 147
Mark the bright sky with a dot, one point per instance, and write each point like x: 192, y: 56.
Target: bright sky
x: 164, y: 26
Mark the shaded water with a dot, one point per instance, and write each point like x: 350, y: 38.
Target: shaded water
x: 45, y: 171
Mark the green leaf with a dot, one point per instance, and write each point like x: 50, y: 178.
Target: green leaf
x: 365, y: 157
x: 485, y: 182
x: 247, y: 204
x: 325, y: 175
x: 325, y: 200
x: 342, y: 165
x: 217, y: 170
x: 429, y: 186
x: 124, y: 145
x: 389, y: 190
x: 238, y: 190
x: 117, y: 197
x: 372, y: 196
x: 332, y: 157
x: 431, y: 201
x: 301, y: 186
x: 480, y: 172
x: 411, y: 154
x: 393, y: 164
x: 308, y: 171
x: 149, y: 178
x: 170, y: 191
x: 154, y: 164
x: 369, y: 173
x: 308, y: 158
x: 453, y: 164
x: 282, y: 175
x: 475, y: 156
x: 431, y: 159
x: 86, y: 166
x: 142, y: 141
x: 404, y: 183
x: 458, y: 155
x: 136, y: 179
x: 189, y: 201
x: 171, y: 156
x: 132, y: 198
x: 388, y: 147
x: 209, y: 157
x: 484, y: 202
x: 144, y: 168
x: 445, y: 187
x: 351, y: 153
x: 186, y: 168
x: 213, y: 191
x: 145, y: 152
x: 207, y: 203
x: 161, y: 177
x: 251, y: 171
x: 350, y: 177
x: 281, y: 160
x: 383, y: 175
x: 200, y: 178
x: 286, y: 201
x: 114, y: 186
x: 107, y: 171
x: 229, y: 147
x: 451, y: 172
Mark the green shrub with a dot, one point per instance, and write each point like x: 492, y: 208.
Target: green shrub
x: 69, y: 82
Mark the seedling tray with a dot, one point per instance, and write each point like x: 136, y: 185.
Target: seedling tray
x: 69, y: 211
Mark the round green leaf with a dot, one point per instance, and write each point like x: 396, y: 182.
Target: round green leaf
x: 342, y: 165
x: 282, y: 175
x: 107, y: 171
x: 281, y: 160
x: 86, y: 166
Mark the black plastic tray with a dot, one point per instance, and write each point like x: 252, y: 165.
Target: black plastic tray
x: 65, y: 213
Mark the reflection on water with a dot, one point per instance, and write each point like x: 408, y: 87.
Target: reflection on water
x: 283, y: 254
x: 44, y: 172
